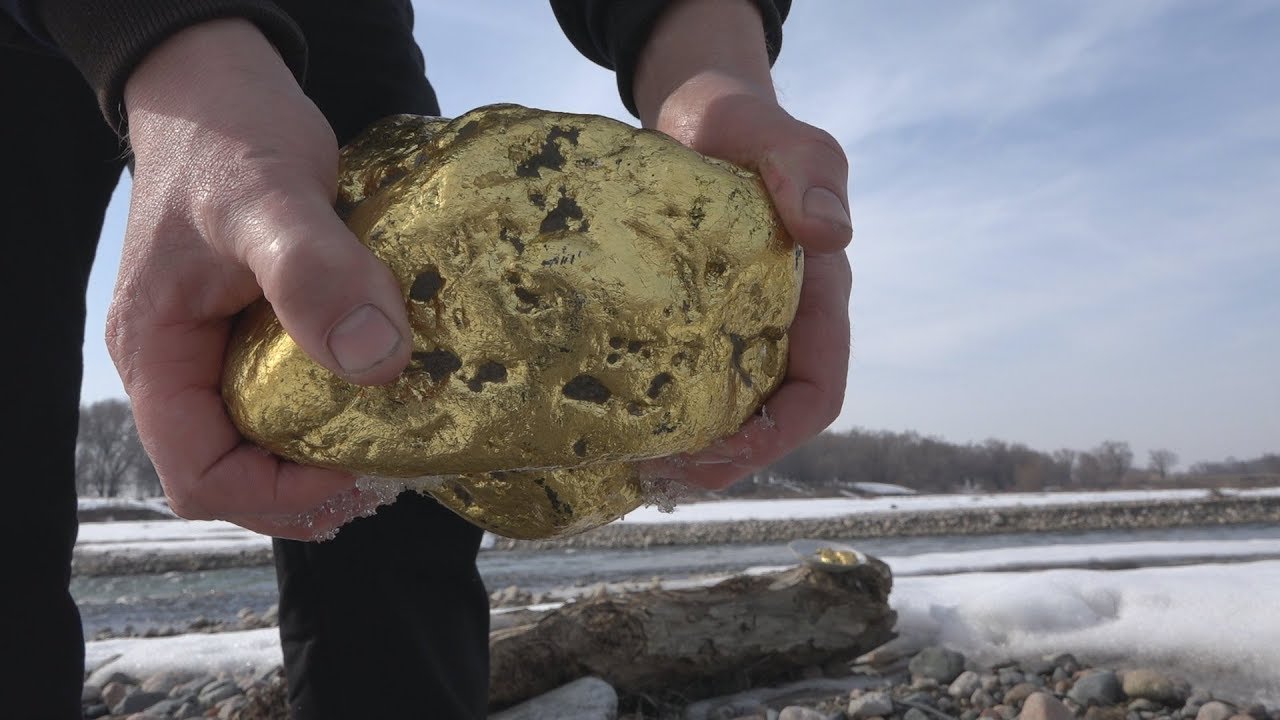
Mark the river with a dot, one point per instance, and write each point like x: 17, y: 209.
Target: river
x: 175, y: 600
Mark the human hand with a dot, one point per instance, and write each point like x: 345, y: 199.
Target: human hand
x: 235, y: 177
x: 704, y: 79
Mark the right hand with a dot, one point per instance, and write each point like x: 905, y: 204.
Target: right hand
x: 235, y: 177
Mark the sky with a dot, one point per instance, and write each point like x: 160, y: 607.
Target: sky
x: 1066, y: 214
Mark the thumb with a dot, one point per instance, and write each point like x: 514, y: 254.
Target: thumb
x: 807, y: 176
x: 340, y: 303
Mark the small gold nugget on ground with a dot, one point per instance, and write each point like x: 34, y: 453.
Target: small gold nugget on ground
x: 583, y: 295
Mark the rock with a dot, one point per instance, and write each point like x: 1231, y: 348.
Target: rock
x: 588, y: 698
x: 1017, y: 694
x: 1100, y: 712
x: 937, y: 663
x: 739, y: 709
x: 1010, y: 676
x: 1043, y: 706
x: 870, y: 705
x: 1257, y: 712
x: 272, y: 615
x: 915, y: 714
x: 137, y: 701
x: 90, y: 695
x: 964, y: 684
x: 1037, y: 666
x: 1241, y: 716
x: 105, y: 674
x: 167, y: 707
x: 165, y: 682
x: 990, y: 682
x: 919, y: 698
x: 1144, y: 705
x: 982, y: 699
x: 1156, y: 686
x: 1215, y: 710
x: 114, y: 692
x: 189, y: 710
x: 217, y: 691
x: 796, y: 712
x: 96, y: 710
x: 228, y: 708
x: 1100, y: 687
x: 1060, y: 674
x: 510, y: 595
x: 1067, y: 662
x: 581, y: 294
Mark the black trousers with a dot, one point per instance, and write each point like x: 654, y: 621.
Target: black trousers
x: 390, y: 619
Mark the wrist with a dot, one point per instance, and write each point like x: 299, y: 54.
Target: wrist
x: 700, y: 49
x: 201, y: 73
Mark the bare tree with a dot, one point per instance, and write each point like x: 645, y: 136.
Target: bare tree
x: 1162, y: 461
x: 1116, y: 459
x: 107, y: 448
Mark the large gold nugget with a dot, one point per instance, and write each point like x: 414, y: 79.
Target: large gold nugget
x: 582, y: 293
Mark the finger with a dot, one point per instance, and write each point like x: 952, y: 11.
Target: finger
x: 803, y: 167
x: 341, y: 304
x: 172, y: 369
x: 811, y: 394
x: 318, y: 523
x: 808, y: 180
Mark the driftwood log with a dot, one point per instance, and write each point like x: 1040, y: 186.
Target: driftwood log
x: 681, y: 645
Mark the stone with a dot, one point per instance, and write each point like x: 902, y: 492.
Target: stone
x: 1037, y: 666
x: 137, y: 701
x: 106, y: 674
x: 915, y: 714
x: 165, y: 682
x: 588, y: 698
x: 738, y: 709
x: 114, y: 692
x: 189, y: 710
x: 1241, y: 716
x: 1101, y: 712
x: 228, y: 708
x: 582, y: 294
x: 1100, y: 687
x: 796, y: 712
x: 90, y: 695
x: 1017, y: 694
x: 1215, y: 710
x: 964, y: 684
x: 981, y: 698
x: 1043, y: 706
x: 217, y: 691
x: 870, y: 704
x: 1010, y: 676
x: 1257, y: 711
x: 1067, y: 662
x: 1153, y: 685
x: 990, y: 682
x: 1144, y: 705
x: 96, y: 710
x: 919, y: 698
x: 937, y: 663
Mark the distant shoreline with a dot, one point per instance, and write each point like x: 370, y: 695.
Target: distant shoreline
x: 1208, y: 511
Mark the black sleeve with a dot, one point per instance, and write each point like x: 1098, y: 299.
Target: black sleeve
x: 106, y: 39
x: 613, y: 32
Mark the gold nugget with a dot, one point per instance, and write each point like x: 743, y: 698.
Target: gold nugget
x: 583, y: 295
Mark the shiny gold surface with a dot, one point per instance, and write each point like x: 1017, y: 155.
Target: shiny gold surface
x: 583, y: 295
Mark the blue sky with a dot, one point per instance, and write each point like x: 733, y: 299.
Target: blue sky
x: 1067, y: 214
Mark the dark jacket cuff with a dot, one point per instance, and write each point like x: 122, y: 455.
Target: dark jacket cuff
x: 612, y: 33
x: 106, y: 40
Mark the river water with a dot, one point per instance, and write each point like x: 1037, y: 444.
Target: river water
x: 175, y: 600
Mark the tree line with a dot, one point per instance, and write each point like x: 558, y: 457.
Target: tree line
x: 834, y: 461
x: 110, y: 462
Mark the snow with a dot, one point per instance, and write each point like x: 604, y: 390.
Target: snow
x: 191, y: 536
x: 875, y: 488
x: 1209, y: 622
x: 728, y: 510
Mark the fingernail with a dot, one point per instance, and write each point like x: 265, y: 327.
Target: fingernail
x: 822, y: 204
x: 362, y: 339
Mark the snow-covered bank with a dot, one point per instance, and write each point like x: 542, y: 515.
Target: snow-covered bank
x: 1211, y: 623
x: 161, y: 546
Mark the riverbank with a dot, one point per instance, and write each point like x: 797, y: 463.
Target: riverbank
x: 229, y: 547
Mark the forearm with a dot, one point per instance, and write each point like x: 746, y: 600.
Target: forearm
x: 107, y: 40
x: 697, y: 43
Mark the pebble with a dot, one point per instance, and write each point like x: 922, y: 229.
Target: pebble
x: 1043, y: 706
x: 1095, y: 694
x: 1153, y: 685
x: 964, y: 685
x: 937, y: 663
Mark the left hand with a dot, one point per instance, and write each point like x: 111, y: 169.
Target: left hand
x: 704, y: 80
